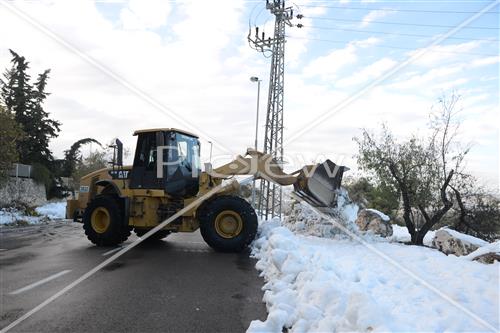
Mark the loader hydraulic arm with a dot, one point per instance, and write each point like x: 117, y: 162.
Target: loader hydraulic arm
x: 317, y: 184
x: 257, y: 164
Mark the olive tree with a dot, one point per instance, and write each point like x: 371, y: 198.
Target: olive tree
x: 421, y: 169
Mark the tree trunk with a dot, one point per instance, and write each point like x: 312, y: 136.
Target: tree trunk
x: 406, y: 202
x: 437, y: 216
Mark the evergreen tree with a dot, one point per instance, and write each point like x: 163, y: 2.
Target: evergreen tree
x: 25, y: 101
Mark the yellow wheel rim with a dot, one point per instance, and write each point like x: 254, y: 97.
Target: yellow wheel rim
x: 100, y: 220
x: 228, y: 224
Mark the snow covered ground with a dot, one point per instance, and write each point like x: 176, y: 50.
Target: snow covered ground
x: 488, y: 248
x: 53, y: 210
x: 401, y: 234
x: 336, y: 285
x: 50, y: 211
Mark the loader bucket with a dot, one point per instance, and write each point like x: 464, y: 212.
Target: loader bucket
x: 318, y: 184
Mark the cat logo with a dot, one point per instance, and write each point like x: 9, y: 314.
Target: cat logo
x: 119, y: 174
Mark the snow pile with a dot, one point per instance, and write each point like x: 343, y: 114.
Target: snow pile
x: 400, y: 234
x: 488, y: 248
x: 301, y: 218
x: 466, y: 238
x: 50, y: 211
x: 379, y: 213
x: 322, y: 285
x: 346, y: 208
x: 53, y: 210
x: 11, y: 216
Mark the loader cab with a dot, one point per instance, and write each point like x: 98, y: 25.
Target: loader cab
x: 167, y: 159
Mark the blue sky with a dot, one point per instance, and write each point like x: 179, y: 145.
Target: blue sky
x: 122, y: 65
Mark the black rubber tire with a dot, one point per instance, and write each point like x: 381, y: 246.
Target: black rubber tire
x: 159, y: 235
x: 117, y: 232
x: 207, y: 217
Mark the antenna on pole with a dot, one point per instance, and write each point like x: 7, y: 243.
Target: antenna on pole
x: 269, y: 203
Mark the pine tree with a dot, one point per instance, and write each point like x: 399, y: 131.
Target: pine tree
x: 25, y: 101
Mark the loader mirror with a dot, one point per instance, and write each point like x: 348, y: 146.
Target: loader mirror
x: 119, y: 152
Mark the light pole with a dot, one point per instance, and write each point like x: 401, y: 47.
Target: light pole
x: 211, y: 145
x: 256, y: 79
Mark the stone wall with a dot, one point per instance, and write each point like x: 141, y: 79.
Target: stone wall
x: 23, y: 191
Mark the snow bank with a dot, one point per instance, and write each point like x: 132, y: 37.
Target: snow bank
x: 53, y: 210
x: 466, y: 238
x: 322, y: 285
x: 488, y: 248
x: 301, y: 218
x: 10, y: 216
x: 50, y: 211
x: 400, y: 234
x: 379, y: 213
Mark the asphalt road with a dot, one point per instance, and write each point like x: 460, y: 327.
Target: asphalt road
x: 176, y: 285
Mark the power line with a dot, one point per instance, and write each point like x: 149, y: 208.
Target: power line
x: 401, y: 10
x: 398, y: 23
x: 392, y: 47
x: 391, y: 33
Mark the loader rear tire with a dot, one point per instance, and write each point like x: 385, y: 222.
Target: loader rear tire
x: 103, y: 222
x: 159, y: 235
x: 228, y: 223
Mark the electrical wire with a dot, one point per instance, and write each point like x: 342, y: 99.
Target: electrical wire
x: 398, y: 23
x: 399, y: 10
x: 391, y: 46
x: 393, y: 33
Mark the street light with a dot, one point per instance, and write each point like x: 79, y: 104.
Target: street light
x: 211, y: 145
x: 256, y: 79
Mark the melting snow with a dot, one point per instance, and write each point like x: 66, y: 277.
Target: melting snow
x: 50, y: 211
x: 379, y: 213
x: 54, y: 210
x: 323, y: 285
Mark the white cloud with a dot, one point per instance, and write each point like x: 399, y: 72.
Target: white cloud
x: 438, y: 54
x: 369, y: 72
x: 429, y: 77
x: 328, y: 66
x: 373, y: 16
x: 485, y: 61
x: 148, y: 14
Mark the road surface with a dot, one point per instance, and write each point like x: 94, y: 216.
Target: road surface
x: 176, y: 285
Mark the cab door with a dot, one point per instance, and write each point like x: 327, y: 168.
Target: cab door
x: 143, y: 174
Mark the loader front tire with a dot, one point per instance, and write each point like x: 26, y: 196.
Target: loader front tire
x: 103, y: 222
x: 228, y: 223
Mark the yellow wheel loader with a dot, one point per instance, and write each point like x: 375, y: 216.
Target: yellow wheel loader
x: 166, y: 177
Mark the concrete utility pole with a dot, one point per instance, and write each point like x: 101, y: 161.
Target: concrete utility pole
x: 271, y: 194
